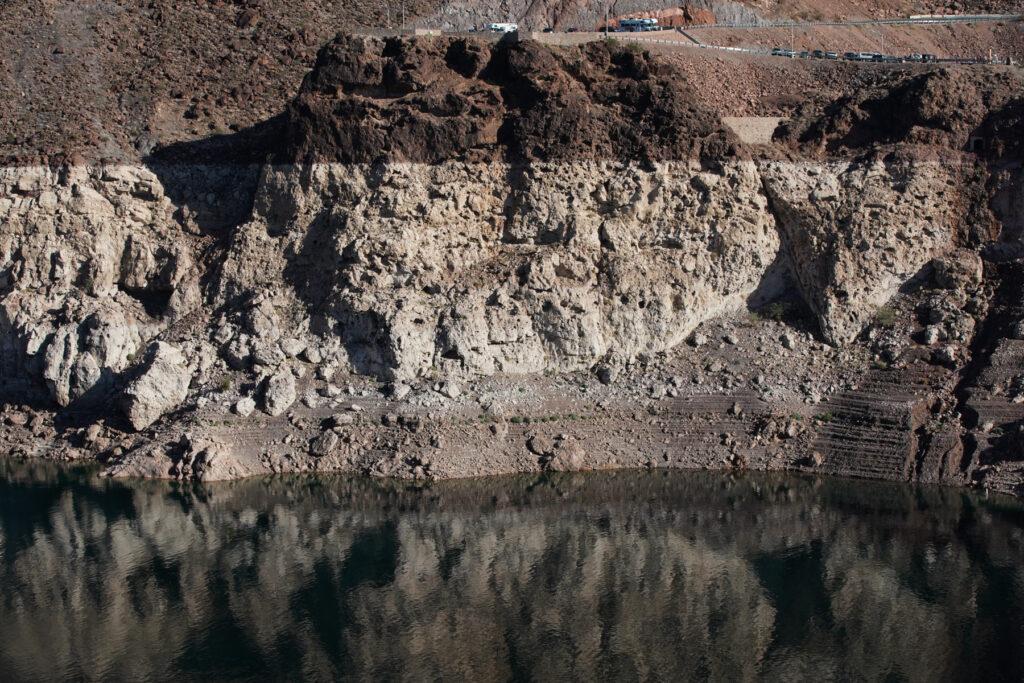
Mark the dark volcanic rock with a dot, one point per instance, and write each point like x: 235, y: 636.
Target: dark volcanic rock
x: 974, y: 110
x: 435, y: 99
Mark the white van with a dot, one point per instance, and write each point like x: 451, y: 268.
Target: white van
x: 502, y: 28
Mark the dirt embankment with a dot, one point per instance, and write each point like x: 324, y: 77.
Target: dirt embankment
x: 115, y: 80
x: 815, y: 10
x: 584, y: 15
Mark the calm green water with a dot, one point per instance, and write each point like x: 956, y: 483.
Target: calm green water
x: 624, y: 576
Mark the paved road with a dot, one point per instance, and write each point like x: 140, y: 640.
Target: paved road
x: 902, y: 21
x: 915, y: 20
x: 759, y: 51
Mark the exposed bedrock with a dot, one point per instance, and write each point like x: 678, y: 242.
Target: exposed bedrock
x: 442, y: 213
x: 402, y: 269
x: 487, y: 268
x: 92, y: 264
x: 855, y: 232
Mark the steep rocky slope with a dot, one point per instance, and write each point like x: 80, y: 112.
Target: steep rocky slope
x: 109, y: 79
x: 466, y: 258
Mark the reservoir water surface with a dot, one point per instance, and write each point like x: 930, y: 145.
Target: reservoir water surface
x: 607, y: 576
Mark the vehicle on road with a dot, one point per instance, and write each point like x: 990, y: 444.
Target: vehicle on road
x: 782, y: 52
x: 863, y: 56
x: 639, y: 25
x: 502, y: 28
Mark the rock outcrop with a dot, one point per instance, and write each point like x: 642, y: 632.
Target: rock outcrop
x: 92, y: 264
x: 498, y: 268
x: 162, y: 384
x: 437, y: 100
x: 510, y: 234
x: 896, y: 217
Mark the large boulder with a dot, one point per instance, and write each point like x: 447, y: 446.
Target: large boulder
x: 279, y: 393
x: 160, y: 387
x: 82, y: 357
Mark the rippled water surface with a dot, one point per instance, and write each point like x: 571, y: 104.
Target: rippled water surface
x: 623, y: 576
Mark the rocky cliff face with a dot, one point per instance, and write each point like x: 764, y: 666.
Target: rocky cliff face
x: 460, y: 219
x: 499, y: 268
x: 93, y: 264
x: 857, y: 231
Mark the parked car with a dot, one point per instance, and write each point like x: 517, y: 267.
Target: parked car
x: 831, y: 55
x: 502, y: 28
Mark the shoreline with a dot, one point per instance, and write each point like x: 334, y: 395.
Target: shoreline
x: 714, y: 407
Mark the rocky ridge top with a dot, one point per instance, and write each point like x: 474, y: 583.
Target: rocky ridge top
x: 436, y: 99
x: 981, y: 111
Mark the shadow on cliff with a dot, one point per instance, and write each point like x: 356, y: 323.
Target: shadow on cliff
x: 213, y: 180
x: 316, y: 272
x: 213, y: 183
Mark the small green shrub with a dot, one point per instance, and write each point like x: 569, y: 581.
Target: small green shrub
x: 886, y: 316
x: 777, y: 310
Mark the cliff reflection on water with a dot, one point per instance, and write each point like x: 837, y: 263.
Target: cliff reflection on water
x: 624, y: 576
